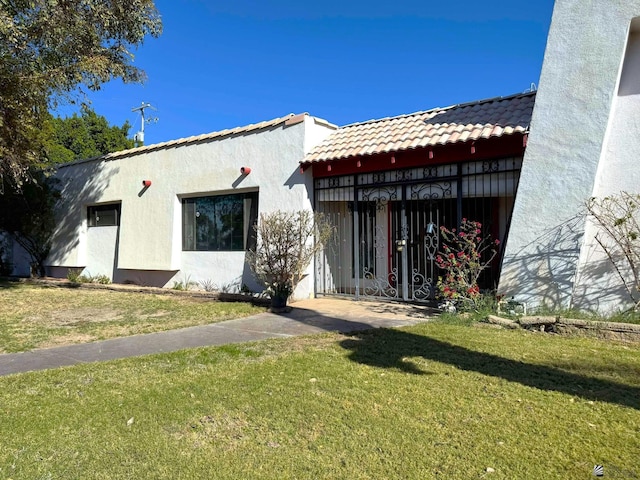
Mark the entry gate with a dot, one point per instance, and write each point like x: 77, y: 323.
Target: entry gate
x: 387, y: 224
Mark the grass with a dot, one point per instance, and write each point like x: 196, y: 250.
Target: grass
x: 35, y: 316
x: 436, y: 400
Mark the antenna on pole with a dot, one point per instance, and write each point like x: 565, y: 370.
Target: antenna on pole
x: 138, y: 138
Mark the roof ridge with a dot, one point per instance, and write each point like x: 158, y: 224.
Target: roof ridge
x: 481, y: 119
x: 187, y: 140
x: 435, y: 109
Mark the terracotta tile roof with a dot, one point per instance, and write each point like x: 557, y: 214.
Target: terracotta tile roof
x: 493, y: 117
x: 290, y: 119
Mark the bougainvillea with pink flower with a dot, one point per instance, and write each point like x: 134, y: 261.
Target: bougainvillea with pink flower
x: 465, y: 253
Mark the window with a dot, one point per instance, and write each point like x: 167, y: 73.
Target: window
x: 104, y: 215
x: 220, y: 222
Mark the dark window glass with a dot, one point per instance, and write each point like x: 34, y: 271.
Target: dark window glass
x: 219, y: 223
x: 104, y: 215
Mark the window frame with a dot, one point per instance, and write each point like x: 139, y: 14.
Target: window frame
x: 217, y: 209
x: 93, y: 218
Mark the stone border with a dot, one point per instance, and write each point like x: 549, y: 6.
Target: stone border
x: 626, y: 332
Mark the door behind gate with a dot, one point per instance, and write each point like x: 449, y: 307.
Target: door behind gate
x: 399, y: 238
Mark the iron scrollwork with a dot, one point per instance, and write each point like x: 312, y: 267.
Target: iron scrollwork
x: 430, y: 172
x: 430, y: 191
x: 490, y: 166
x: 381, y: 196
x: 422, y: 286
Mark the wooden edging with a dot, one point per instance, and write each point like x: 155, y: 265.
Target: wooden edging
x: 552, y: 323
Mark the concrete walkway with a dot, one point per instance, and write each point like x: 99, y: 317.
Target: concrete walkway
x: 327, y: 314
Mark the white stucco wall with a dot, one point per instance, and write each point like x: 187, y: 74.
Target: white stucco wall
x: 583, y: 142
x: 150, y: 238
x: 102, y: 244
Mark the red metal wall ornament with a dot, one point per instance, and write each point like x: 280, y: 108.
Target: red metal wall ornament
x: 146, y: 183
x: 245, y: 170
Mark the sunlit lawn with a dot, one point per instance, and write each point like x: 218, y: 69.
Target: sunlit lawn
x: 36, y: 316
x: 433, y: 401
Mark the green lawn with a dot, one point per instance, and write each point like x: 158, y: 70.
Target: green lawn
x: 435, y: 401
x: 36, y: 316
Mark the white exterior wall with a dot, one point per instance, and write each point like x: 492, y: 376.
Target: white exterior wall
x: 150, y: 234
x: 583, y: 143
x: 102, y: 245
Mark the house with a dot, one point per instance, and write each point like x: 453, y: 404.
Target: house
x: 182, y: 211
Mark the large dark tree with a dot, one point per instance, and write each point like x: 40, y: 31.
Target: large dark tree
x: 28, y: 216
x: 53, y: 50
x: 83, y: 136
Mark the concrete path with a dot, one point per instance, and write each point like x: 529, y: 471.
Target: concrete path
x: 327, y: 314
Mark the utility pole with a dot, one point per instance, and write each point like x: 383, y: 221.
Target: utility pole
x: 138, y: 138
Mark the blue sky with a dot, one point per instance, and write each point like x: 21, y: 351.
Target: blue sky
x: 225, y: 64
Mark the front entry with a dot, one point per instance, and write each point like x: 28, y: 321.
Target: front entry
x: 399, y: 238
x: 387, y: 225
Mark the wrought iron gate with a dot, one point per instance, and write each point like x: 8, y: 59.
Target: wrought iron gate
x: 387, y: 224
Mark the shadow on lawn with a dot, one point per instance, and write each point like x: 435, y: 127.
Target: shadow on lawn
x: 387, y: 348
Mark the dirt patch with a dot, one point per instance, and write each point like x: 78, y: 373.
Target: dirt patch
x: 76, y: 316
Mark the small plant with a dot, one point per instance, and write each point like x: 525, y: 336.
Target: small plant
x: 102, y: 279
x: 185, y: 284
x: 74, y: 275
x: 209, y: 285
x: 465, y: 254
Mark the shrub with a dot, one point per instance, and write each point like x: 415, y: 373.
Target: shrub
x: 617, y: 218
x: 465, y: 254
x: 286, y: 245
x: 74, y: 276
